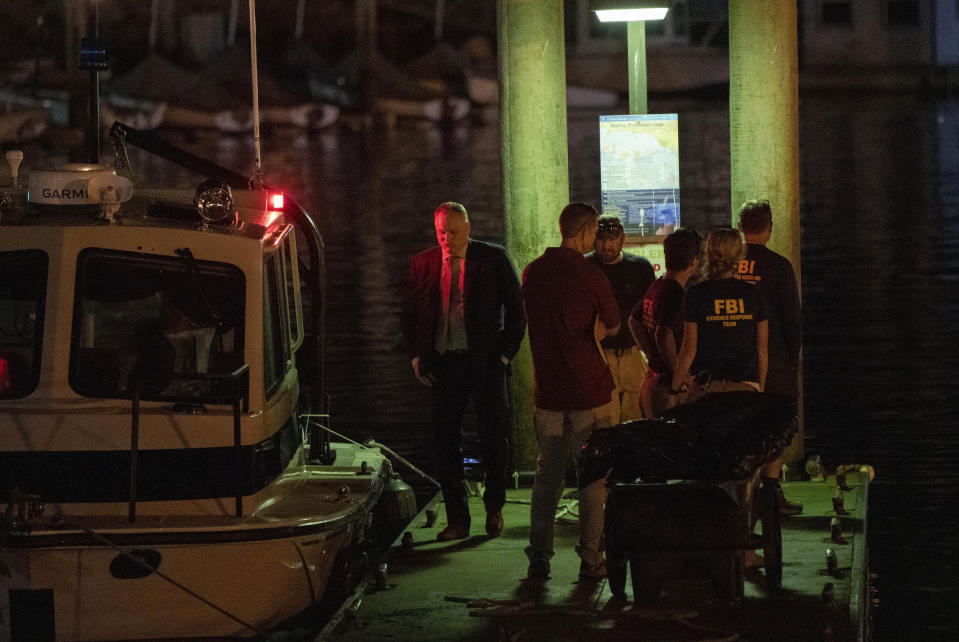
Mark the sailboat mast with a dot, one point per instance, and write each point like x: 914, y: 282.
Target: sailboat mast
x: 257, y: 182
x: 300, y: 15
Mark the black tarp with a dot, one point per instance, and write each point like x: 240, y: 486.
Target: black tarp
x: 721, y: 437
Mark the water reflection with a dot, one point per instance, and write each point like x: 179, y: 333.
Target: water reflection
x: 879, y: 210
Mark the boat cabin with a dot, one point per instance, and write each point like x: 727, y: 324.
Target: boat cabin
x: 152, y: 307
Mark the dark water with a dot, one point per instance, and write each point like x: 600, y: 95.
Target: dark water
x: 880, y: 272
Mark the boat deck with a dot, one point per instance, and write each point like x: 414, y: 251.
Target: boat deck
x: 476, y: 589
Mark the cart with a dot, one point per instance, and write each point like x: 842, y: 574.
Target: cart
x: 685, y: 493
x: 689, y: 529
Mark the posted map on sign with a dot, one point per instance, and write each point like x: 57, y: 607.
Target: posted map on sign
x: 639, y: 171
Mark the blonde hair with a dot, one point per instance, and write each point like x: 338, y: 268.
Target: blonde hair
x: 724, y: 251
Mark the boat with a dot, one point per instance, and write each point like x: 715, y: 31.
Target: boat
x: 166, y: 467
x: 484, y: 90
x: 472, y: 72
x: 156, y: 455
x: 141, y: 114
x: 399, y: 95
x: 212, y: 98
x: 22, y: 124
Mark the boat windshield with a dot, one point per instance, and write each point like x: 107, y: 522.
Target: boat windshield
x: 157, y: 323
x: 23, y: 289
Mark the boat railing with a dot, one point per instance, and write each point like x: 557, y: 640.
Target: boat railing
x: 240, y: 400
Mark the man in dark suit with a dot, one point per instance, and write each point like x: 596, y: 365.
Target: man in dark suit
x: 463, y: 322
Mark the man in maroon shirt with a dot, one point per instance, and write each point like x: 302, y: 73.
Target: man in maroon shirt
x: 570, y: 307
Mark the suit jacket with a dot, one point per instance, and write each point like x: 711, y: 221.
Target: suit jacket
x: 492, y: 308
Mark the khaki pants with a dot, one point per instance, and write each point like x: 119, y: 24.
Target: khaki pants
x: 560, y: 436
x: 629, y: 368
x: 654, y: 395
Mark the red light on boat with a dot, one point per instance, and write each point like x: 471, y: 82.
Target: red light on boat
x: 5, y: 381
x: 276, y: 201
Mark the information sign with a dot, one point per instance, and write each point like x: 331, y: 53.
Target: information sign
x: 639, y: 171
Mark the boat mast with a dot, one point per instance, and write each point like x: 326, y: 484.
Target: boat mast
x: 257, y: 182
x: 300, y: 15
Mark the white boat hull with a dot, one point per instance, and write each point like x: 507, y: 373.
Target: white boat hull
x: 279, y: 560
x: 22, y: 125
x: 262, y: 583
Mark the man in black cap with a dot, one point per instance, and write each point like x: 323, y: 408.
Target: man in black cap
x: 629, y: 275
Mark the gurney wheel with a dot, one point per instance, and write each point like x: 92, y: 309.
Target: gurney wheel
x: 647, y: 577
x: 616, y: 571
x: 616, y: 560
x: 772, y: 540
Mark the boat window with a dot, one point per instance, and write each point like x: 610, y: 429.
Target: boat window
x: 276, y: 344
x: 23, y: 289
x: 160, y: 323
x: 291, y: 273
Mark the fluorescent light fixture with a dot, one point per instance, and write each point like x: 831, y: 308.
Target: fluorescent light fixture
x: 630, y: 15
x: 629, y: 10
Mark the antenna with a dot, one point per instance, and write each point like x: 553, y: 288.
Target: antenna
x: 93, y: 58
x: 257, y: 181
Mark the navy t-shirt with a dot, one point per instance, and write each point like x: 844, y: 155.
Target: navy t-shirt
x: 725, y: 312
x: 629, y: 278
x: 774, y: 276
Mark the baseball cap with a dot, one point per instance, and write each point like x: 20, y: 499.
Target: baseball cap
x: 609, y: 225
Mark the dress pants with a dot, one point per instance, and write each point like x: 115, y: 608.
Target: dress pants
x: 460, y: 378
x: 628, y: 367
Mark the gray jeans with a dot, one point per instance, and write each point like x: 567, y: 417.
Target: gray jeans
x: 560, y: 436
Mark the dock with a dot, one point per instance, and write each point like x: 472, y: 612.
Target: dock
x: 476, y: 588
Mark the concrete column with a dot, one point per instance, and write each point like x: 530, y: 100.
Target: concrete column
x: 636, y: 47
x: 764, y: 122
x: 532, y: 74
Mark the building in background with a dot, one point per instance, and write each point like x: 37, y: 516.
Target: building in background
x: 867, y: 32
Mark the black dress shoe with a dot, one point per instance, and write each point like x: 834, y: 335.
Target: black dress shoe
x: 453, y: 531
x: 494, y: 523
x: 538, y: 569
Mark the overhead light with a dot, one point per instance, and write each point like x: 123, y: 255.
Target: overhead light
x: 629, y: 10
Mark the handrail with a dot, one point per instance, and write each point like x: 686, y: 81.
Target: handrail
x: 152, y: 143
x: 240, y: 393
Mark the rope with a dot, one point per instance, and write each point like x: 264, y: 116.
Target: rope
x: 190, y: 592
x: 372, y: 443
